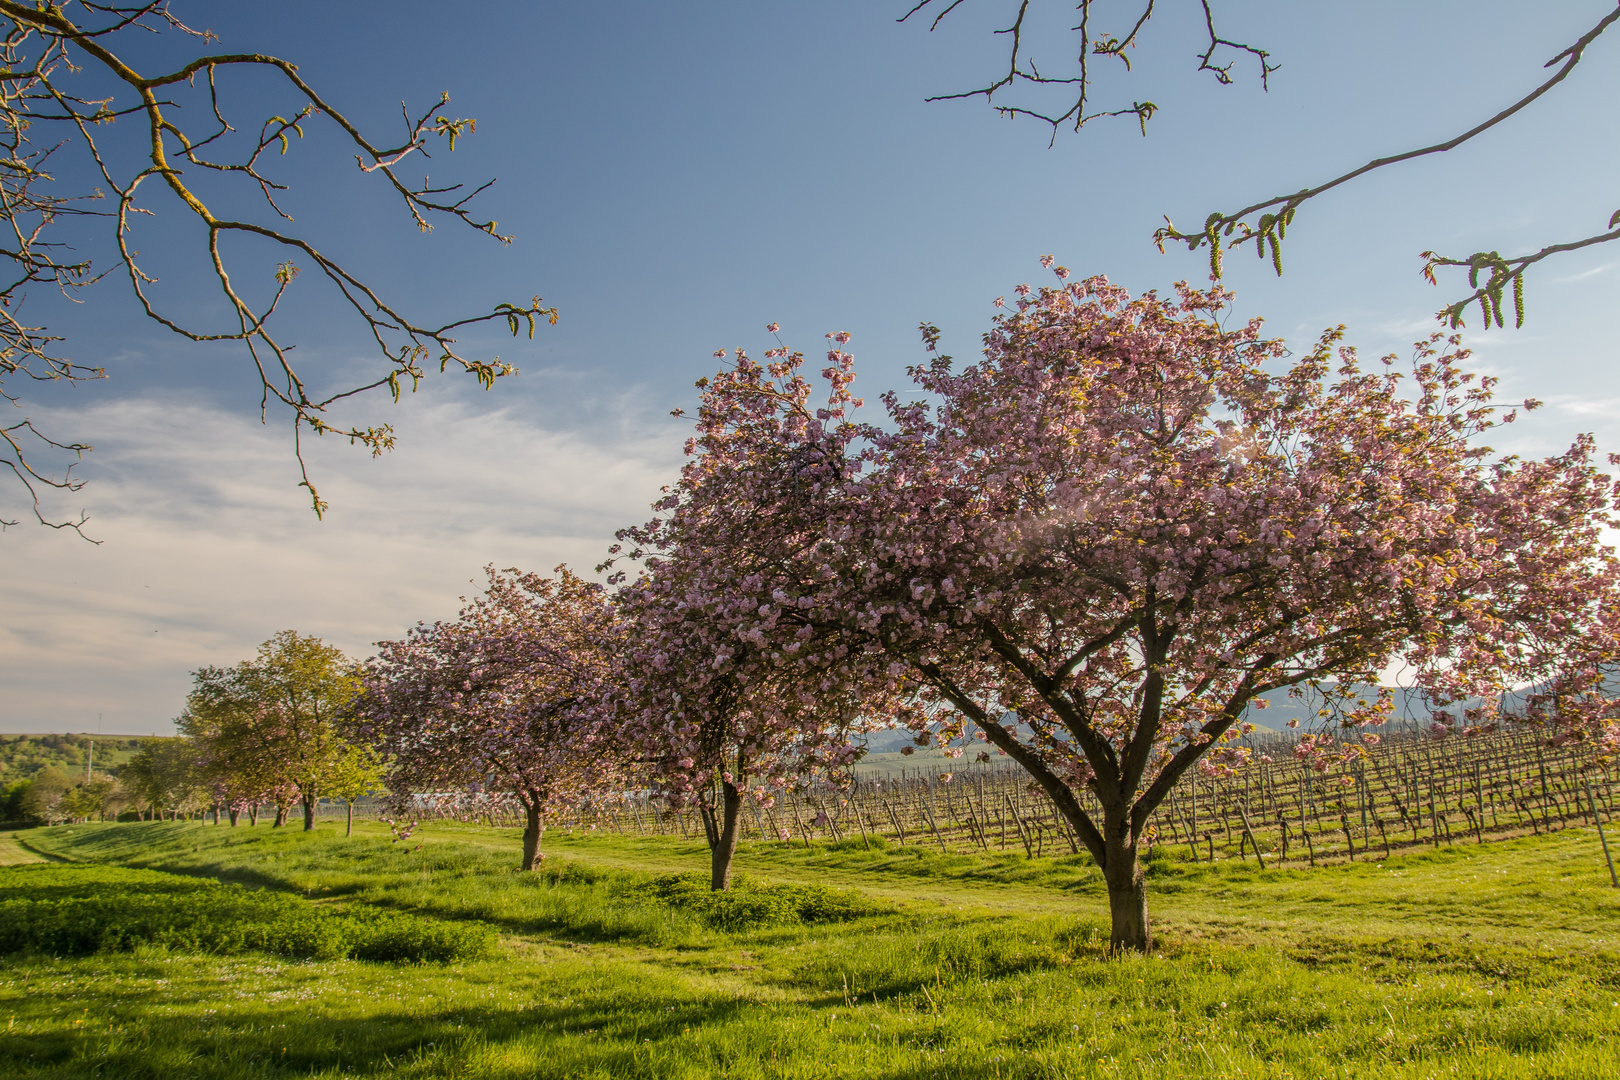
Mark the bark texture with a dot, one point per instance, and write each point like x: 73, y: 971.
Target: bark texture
x: 1127, y: 892
x: 723, y: 837
x: 531, y: 837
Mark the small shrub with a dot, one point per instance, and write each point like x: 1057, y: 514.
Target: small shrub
x: 389, y: 937
x: 750, y: 905
x: 571, y: 872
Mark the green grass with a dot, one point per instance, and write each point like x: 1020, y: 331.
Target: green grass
x: 460, y: 872
x: 1493, y: 961
x: 13, y: 851
x: 82, y: 910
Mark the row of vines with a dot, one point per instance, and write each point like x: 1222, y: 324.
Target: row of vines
x: 1410, y: 791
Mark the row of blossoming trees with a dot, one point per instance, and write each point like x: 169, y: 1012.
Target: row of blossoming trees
x: 1093, y: 550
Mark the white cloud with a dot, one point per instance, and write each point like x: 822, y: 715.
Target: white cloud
x: 1603, y: 268
x: 209, y: 547
x: 1600, y: 407
x: 1405, y: 331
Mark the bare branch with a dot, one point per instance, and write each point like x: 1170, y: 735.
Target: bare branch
x: 35, y: 88
x: 1022, y: 71
x: 1223, y: 72
x: 1267, y: 231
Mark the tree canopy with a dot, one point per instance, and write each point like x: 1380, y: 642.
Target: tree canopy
x: 266, y: 730
x: 1125, y: 525
x: 514, y: 699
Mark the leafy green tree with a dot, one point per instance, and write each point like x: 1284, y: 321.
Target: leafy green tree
x: 358, y: 771
x: 11, y: 800
x: 90, y: 798
x: 39, y: 804
x: 164, y: 775
x: 267, y: 724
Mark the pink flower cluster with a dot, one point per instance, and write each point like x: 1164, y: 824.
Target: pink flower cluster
x: 515, y: 699
x: 1099, y: 545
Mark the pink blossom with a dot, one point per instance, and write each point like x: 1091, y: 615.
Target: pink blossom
x: 505, y: 705
x: 1149, y: 518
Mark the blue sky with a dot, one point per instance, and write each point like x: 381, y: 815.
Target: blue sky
x: 677, y: 176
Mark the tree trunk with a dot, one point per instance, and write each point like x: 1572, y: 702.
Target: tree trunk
x: 349, y: 829
x: 724, y: 844
x: 1127, y: 889
x: 281, y: 816
x: 531, y: 836
x: 235, y: 813
x: 309, y: 812
x: 253, y: 815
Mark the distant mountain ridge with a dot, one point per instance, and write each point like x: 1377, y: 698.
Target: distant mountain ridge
x: 1410, y: 710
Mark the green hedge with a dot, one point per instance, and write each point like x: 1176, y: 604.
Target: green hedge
x: 80, y: 910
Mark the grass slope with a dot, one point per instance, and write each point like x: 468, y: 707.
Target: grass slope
x: 14, y: 852
x: 1494, y: 961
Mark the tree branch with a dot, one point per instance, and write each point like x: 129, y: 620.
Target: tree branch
x: 1276, y: 213
x: 35, y: 60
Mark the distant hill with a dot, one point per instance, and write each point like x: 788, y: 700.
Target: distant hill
x: 21, y: 756
x: 1409, y: 709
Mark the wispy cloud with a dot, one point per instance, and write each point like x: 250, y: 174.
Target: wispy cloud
x: 1604, y: 407
x: 1588, y: 273
x: 209, y: 547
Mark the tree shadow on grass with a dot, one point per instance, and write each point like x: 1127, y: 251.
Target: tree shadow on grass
x: 156, y: 1043
x: 632, y: 1034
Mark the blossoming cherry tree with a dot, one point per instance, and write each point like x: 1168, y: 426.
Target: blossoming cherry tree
x: 514, y: 698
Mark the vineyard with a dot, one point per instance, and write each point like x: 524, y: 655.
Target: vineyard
x: 1409, y: 791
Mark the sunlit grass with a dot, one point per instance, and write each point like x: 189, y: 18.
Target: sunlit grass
x: 14, y: 853
x: 1493, y: 961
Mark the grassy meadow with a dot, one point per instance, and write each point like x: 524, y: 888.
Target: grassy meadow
x: 1501, y: 960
